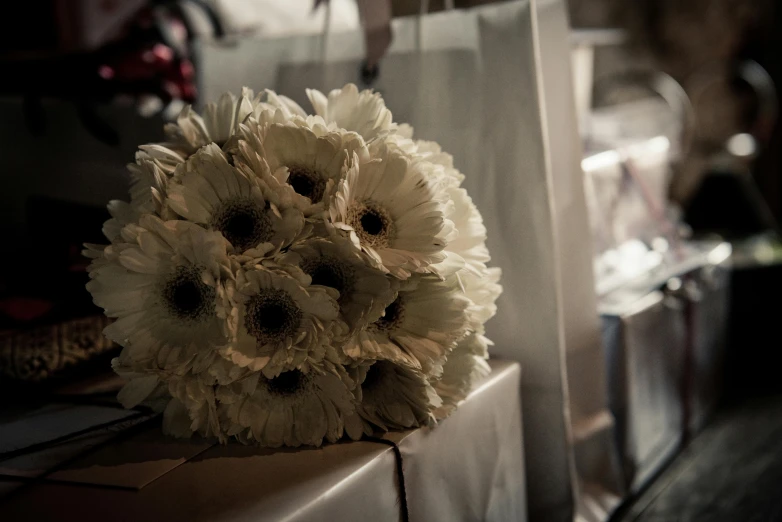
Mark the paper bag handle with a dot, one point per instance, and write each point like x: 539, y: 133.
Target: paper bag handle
x: 375, y: 18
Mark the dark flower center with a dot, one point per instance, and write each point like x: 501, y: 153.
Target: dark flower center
x: 244, y: 223
x: 287, y: 383
x: 307, y: 183
x: 373, y: 225
x: 325, y: 275
x: 393, y: 315
x: 272, y: 316
x: 374, y: 375
x: 372, y: 222
x: 186, y: 296
x: 331, y: 272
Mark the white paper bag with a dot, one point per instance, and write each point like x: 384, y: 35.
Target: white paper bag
x: 492, y: 86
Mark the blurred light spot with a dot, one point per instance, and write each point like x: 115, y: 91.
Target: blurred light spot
x: 148, y: 106
x: 173, y: 109
x: 163, y: 53
x: 764, y: 253
x: 655, y: 145
x: 742, y: 145
x: 105, y: 72
x: 599, y: 161
x: 720, y: 254
x: 660, y: 244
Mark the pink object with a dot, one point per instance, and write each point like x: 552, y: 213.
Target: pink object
x: 105, y: 72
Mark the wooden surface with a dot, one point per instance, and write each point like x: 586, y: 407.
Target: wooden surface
x: 732, y: 472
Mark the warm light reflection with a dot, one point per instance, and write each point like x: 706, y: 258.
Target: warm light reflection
x: 741, y: 145
x: 613, y: 157
x: 660, y: 244
x: 720, y: 253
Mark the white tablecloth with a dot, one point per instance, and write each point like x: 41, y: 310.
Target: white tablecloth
x: 470, y: 467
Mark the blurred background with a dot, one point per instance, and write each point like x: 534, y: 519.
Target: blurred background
x: 677, y: 104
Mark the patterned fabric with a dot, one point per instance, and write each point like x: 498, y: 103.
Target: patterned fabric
x: 35, y: 355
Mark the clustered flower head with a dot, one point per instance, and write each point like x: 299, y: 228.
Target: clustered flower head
x: 285, y: 278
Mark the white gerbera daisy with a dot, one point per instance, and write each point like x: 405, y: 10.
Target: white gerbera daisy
x: 156, y: 162
x: 122, y: 213
x: 269, y: 101
x: 392, y: 397
x: 140, y: 386
x: 470, y: 244
x: 147, y: 192
x: 363, y: 112
x: 165, y: 288
x: 192, y: 409
x: 419, y: 328
x: 482, y: 289
x: 100, y: 255
x: 311, y: 162
x: 291, y: 409
x: 282, y: 322
x: 191, y: 131
x: 187, y: 401
x: 177, y: 422
x: 432, y: 152
x: 364, y: 292
x: 221, y: 120
x: 466, y: 365
x: 393, y: 213
x: 209, y: 191
x: 166, y: 159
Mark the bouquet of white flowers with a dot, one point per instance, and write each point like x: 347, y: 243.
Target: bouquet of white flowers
x: 285, y: 278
